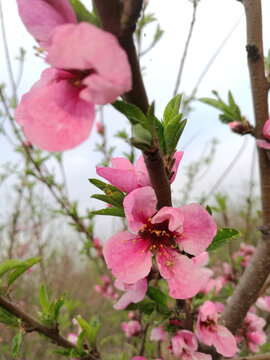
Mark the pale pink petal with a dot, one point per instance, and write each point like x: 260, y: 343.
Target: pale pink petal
x: 202, y: 259
x: 139, y: 206
x: 201, y: 356
x: 184, y: 278
x: 131, y: 328
x: 263, y: 144
x: 142, y: 173
x: 53, y: 116
x: 158, y: 334
x: 208, y: 311
x: 199, y: 229
x: 178, y: 157
x: 266, y: 129
x: 263, y: 303
x: 258, y: 337
x: 40, y: 17
x: 173, y: 215
x: 127, y: 257
x: 139, y: 358
x: 134, y: 293
x: 124, y: 179
x: 97, y: 51
x: 224, y: 342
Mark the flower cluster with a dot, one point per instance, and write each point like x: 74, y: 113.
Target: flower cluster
x: 88, y: 67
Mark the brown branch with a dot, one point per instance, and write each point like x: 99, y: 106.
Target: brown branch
x: 30, y: 324
x: 121, y: 21
x: 258, y: 269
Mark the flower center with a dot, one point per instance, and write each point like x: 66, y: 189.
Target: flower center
x: 158, y: 235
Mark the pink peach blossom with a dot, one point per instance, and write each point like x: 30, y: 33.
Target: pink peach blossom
x: 127, y: 177
x: 266, y: 132
x: 246, y: 252
x: 211, y: 333
x: 100, y: 128
x: 165, y: 233
x: 263, y: 303
x: 101, y: 65
x: 158, y: 334
x: 132, y: 328
x: 133, y: 293
x: 40, y: 17
x: 53, y: 115
x: 185, y: 345
x: 252, y: 331
x: 58, y: 112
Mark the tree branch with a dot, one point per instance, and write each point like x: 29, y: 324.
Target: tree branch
x: 258, y: 269
x: 32, y: 325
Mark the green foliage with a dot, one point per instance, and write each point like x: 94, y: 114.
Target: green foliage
x: 90, y: 329
x: 83, y: 14
x: 16, y: 344
x: 160, y: 299
x: 230, y: 112
x: 132, y: 112
x: 113, y: 196
x: 50, y: 309
x: 173, y: 125
x: 8, y: 319
x: 18, y: 267
x: 145, y: 306
x: 222, y: 237
x: 142, y: 138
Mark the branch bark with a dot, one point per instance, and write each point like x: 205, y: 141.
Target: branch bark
x: 120, y: 19
x: 258, y: 269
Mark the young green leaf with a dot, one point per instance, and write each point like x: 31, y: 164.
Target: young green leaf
x: 83, y: 14
x: 27, y: 264
x: 80, y: 342
x: 222, y: 237
x: 142, y: 138
x: 16, y: 344
x: 106, y: 199
x: 103, y: 186
x: 132, y: 112
x: 8, y: 319
x: 172, y: 109
x: 172, y: 133
x: 145, y: 306
x: 58, y: 305
x: 43, y: 297
x: 9, y: 265
x: 112, y: 211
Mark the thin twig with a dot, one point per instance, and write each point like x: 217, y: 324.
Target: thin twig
x: 183, y: 59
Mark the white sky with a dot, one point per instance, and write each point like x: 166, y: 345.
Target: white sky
x: 215, y: 18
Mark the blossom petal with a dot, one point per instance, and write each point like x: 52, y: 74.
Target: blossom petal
x: 96, y: 51
x: 134, y: 293
x: 40, y: 17
x: 67, y: 120
x: 142, y: 172
x: 173, y: 215
x: 140, y: 205
x: 178, y: 157
x: 184, y: 278
x: 224, y: 341
x: 266, y: 129
x: 121, y: 174
x: 263, y: 144
x: 199, y: 229
x: 127, y: 257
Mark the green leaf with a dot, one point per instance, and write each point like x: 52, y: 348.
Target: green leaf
x: 63, y: 352
x: 43, y: 297
x: 208, y: 209
x: 27, y: 264
x: 222, y: 237
x: 132, y: 112
x: 160, y: 133
x: 111, y: 211
x: 83, y: 14
x: 160, y: 298
x: 91, y: 329
x: 106, y: 199
x: 144, y: 306
x: 142, y: 138
x: 9, y: 265
x: 103, y: 186
x: 80, y: 341
x: 16, y: 343
x: 8, y: 319
x: 58, y: 305
x: 172, y: 133
x: 172, y: 109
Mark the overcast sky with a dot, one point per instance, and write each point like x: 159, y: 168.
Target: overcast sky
x: 215, y: 19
